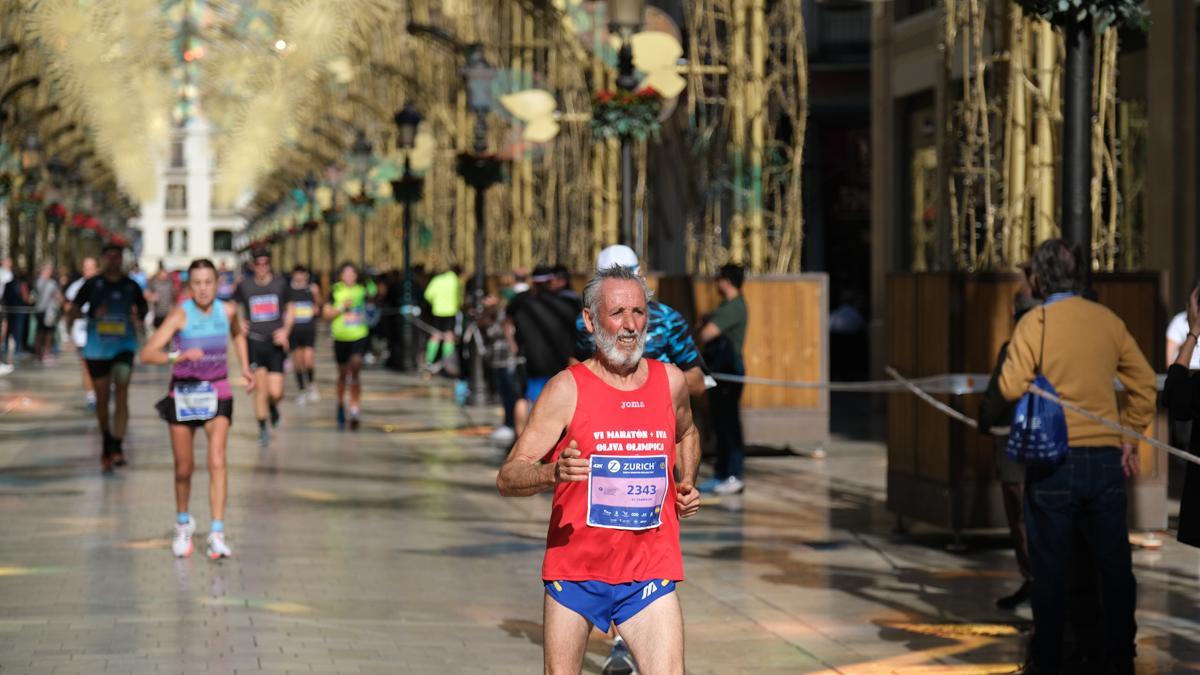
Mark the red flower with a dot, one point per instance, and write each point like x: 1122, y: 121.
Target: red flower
x: 604, y: 96
x: 647, y: 92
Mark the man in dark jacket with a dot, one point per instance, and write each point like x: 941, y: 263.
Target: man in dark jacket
x: 995, y: 412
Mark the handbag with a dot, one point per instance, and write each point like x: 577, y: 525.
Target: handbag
x: 1038, y: 434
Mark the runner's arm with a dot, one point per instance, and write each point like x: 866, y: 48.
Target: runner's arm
x: 523, y: 474
x: 694, y: 377
x: 687, y: 439
x: 143, y: 308
x: 240, y: 347
x: 154, y: 351
x: 82, y: 296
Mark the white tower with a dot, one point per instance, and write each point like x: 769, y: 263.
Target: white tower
x: 183, y: 224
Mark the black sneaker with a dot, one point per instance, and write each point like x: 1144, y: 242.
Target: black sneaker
x: 106, y: 454
x: 354, y: 423
x: 274, y: 416
x: 1018, y: 598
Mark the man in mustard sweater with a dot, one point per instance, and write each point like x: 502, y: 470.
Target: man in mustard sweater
x: 1081, y: 347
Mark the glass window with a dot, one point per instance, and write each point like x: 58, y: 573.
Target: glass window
x: 170, y: 241
x: 222, y: 241
x: 176, y: 197
x: 177, y: 157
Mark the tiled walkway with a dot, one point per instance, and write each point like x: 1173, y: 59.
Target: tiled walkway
x: 389, y: 551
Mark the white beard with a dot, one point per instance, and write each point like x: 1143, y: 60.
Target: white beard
x: 607, y: 347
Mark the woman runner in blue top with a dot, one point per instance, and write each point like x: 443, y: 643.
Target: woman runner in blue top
x: 199, y: 395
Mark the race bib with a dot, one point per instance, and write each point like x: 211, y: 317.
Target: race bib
x: 195, y: 401
x: 626, y: 493
x: 302, y: 312
x: 264, y: 308
x: 350, y: 319
x: 111, y: 328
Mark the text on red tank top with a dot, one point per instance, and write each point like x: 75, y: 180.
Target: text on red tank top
x: 620, y: 525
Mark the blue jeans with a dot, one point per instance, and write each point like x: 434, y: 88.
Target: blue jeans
x: 1086, y: 493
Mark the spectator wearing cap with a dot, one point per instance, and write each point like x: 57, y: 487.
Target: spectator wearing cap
x: 539, y: 328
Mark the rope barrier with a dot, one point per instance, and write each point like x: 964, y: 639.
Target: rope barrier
x: 958, y: 384
x: 911, y: 386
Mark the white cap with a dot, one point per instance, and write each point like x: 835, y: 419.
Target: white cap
x: 617, y: 254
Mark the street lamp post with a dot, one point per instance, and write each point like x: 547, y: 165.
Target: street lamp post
x: 480, y: 175
x: 625, y: 19
x: 360, y: 156
x: 310, y: 189
x: 408, y: 191
x: 31, y: 161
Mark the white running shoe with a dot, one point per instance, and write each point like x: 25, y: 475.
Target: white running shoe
x: 730, y: 486
x: 181, y: 546
x: 216, y: 546
x: 302, y: 398
x: 503, y: 435
x: 5, y: 368
x: 313, y: 395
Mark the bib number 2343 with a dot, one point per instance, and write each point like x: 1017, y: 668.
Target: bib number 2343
x: 626, y: 493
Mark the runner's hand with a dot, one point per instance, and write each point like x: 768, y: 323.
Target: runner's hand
x: 193, y: 354
x: 570, y: 468
x: 1129, y: 459
x: 687, y: 500
x: 249, y: 377
x: 280, y: 337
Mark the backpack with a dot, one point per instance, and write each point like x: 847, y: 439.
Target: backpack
x: 1038, y: 434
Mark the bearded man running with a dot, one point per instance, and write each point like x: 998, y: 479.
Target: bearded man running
x: 617, y: 434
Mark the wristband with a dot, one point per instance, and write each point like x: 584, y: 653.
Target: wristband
x: 1194, y: 336
x: 172, y: 357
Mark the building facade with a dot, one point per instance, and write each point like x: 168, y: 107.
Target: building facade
x: 184, y: 223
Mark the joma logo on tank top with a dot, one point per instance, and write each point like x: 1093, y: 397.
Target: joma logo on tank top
x: 626, y: 405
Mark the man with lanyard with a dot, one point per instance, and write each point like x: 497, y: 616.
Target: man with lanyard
x: 201, y: 329
x: 79, y: 327
x: 617, y: 434
x: 669, y: 339
x: 304, y: 297
x: 115, y: 309
x: 347, y: 309
x: 263, y: 299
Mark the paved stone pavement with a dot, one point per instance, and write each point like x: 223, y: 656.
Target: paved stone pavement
x: 389, y: 551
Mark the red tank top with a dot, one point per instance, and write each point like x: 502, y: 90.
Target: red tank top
x: 620, y: 525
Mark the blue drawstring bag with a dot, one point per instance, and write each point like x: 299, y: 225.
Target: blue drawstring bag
x: 1038, y: 434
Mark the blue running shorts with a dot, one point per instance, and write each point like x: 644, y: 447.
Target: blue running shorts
x: 604, y: 604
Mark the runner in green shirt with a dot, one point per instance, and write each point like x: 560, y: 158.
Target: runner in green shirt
x: 444, y: 295
x: 347, y: 309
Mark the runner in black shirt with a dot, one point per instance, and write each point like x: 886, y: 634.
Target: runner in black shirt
x: 540, y: 325
x: 305, y: 300
x: 267, y: 318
